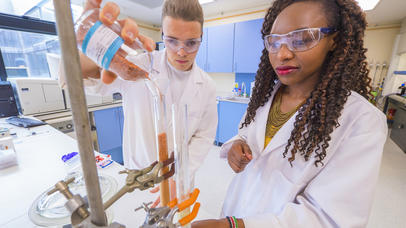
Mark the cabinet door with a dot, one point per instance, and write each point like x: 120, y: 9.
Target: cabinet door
x: 120, y: 114
x: 201, y: 57
x: 398, y: 133
x: 220, y: 48
x: 248, y: 46
x: 229, y: 119
x: 108, y: 129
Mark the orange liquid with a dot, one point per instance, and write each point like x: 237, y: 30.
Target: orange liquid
x: 163, y: 155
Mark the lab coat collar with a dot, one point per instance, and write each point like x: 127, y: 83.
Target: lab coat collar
x: 192, y: 90
x: 195, y: 73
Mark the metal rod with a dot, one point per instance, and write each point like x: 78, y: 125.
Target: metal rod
x: 74, y: 80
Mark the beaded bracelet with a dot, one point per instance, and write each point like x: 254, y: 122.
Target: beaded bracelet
x: 229, y: 221
x: 235, y: 222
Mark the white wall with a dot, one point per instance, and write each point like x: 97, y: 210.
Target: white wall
x: 236, y: 16
x: 380, y: 41
x: 224, y: 83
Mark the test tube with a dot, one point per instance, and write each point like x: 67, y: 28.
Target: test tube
x: 180, y: 141
x: 161, y: 135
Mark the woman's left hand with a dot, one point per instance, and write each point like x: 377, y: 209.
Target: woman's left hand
x: 218, y: 223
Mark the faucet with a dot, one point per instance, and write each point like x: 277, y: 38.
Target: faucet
x: 244, y: 89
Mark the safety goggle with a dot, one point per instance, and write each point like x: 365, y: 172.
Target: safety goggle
x: 298, y: 40
x: 175, y: 45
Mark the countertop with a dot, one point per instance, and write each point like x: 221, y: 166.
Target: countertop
x: 67, y: 112
x: 242, y: 100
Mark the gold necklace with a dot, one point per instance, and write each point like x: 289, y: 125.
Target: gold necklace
x: 276, y: 119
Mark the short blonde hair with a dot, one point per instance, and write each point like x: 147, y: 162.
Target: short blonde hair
x: 187, y: 10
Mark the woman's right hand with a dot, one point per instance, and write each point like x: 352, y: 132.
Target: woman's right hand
x: 129, y: 32
x: 239, y: 155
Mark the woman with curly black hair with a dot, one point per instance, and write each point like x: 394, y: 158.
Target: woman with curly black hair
x: 309, y: 147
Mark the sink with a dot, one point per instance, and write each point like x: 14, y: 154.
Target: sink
x: 238, y: 99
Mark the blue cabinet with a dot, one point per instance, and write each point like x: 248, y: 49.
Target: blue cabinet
x: 109, y: 128
x: 201, y: 57
x: 248, y: 46
x: 220, y: 48
x: 229, y: 114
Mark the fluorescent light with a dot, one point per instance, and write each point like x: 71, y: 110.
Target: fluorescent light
x: 367, y: 4
x: 205, y: 1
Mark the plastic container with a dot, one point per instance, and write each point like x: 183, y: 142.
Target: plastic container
x: 106, y: 48
x: 71, y: 162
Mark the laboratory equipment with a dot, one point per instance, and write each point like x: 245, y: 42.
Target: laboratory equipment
x: 244, y: 89
x: 163, y: 217
x: 8, y: 156
x: 8, y: 106
x: 104, y: 46
x: 37, y: 95
x: 49, y: 208
x: 180, y: 139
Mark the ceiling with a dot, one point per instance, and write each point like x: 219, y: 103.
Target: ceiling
x: 149, y: 11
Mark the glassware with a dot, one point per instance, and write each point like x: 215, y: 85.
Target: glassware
x: 103, y: 45
x: 180, y: 142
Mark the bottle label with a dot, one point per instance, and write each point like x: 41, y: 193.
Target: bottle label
x: 101, y: 44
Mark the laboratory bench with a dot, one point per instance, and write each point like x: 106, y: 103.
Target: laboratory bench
x: 39, y: 150
x: 395, y: 109
x: 106, y: 122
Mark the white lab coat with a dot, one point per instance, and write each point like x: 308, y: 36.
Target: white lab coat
x: 271, y: 193
x: 139, y: 148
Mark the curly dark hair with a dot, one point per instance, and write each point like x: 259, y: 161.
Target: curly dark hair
x: 344, y: 70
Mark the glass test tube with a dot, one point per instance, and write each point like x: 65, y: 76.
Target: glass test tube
x: 180, y: 139
x: 161, y: 135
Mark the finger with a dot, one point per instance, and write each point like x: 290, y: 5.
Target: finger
x: 109, y: 13
x: 247, y: 151
x: 108, y: 77
x: 154, y: 190
x: 129, y: 30
x: 234, y: 165
x: 147, y: 42
x: 92, y: 4
x: 156, y: 203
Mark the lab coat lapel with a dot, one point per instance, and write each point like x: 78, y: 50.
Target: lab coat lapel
x: 192, y: 90
x: 261, y: 120
x: 281, y: 137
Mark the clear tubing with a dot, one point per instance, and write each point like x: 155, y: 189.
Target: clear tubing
x: 180, y: 133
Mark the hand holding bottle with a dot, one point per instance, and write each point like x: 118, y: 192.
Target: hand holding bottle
x: 106, y: 42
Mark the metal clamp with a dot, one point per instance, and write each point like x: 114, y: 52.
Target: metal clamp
x: 76, y: 205
x: 143, y: 179
x: 162, y: 217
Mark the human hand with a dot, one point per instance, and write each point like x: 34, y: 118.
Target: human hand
x: 239, y: 155
x: 218, y: 223
x: 129, y: 31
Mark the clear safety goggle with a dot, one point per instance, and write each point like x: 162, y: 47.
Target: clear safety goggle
x: 188, y: 46
x: 298, y: 40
